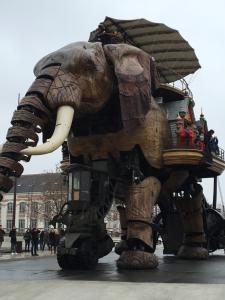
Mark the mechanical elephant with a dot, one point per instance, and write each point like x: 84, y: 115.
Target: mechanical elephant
x: 101, y: 100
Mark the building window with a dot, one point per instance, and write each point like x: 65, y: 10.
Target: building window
x: 9, y: 225
x: 47, y: 208
x: 34, y: 207
x: 22, y: 207
x: 33, y: 223
x: 21, y: 225
x: 46, y: 224
x: 9, y: 208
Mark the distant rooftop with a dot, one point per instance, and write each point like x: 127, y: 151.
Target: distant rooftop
x: 39, y: 183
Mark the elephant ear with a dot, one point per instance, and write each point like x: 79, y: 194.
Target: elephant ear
x: 137, y: 76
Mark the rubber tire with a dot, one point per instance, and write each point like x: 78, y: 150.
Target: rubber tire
x: 64, y: 261
x: 87, y: 255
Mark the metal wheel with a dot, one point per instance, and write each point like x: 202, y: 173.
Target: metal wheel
x: 64, y: 261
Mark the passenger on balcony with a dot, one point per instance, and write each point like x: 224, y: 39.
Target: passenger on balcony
x: 190, y: 136
x: 211, y: 142
x: 208, y: 136
x: 207, y: 139
x: 184, y: 131
x: 214, y: 145
x: 200, y: 138
x: 181, y: 132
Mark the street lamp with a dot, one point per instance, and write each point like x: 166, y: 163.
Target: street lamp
x: 15, y: 187
x: 14, y: 203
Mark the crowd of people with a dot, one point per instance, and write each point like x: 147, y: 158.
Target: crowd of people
x: 40, y: 240
x: 34, y: 240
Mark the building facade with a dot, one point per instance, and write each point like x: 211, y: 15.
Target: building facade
x: 38, y: 198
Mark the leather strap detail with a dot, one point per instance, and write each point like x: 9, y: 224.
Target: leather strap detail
x: 10, y: 147
x: 34, y: 101
x: 22, y: 134
x: 28, y: 117
x: 41, y: 86
x: 15, y: 168
x: 12, y: 150
x: 140, y: 221
x: 5, y: 183
x: 135, y: 244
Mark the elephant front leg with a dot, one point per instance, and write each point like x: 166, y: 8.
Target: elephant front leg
x: 190, y: 208
x: 140, y: 201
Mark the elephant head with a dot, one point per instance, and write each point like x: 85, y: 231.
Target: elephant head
x: 78, y: 79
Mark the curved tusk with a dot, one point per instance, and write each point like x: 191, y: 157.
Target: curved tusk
x: 62, y: 128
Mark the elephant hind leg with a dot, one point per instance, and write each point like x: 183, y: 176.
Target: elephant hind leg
x: 194, y: 240
x: 140, y: 201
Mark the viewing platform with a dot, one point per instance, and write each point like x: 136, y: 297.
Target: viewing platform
x: 204, y: 164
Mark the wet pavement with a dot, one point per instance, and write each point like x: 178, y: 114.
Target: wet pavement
x: 170, y: 270
x: 7, y: 256
x: 40, y: 278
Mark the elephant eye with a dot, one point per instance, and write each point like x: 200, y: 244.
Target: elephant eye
x: 89, y: 65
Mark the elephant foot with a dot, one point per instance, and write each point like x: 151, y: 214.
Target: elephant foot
x: 137, y: 260
x: 121, y: 247
x: 188, y: 252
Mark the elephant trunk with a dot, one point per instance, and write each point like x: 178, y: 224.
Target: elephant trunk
x: 51, y: 91
x: 28, y: 120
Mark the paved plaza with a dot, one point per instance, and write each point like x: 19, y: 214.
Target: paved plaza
x: 41, y: 278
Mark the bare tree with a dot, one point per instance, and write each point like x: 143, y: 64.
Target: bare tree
x: 52, y: 200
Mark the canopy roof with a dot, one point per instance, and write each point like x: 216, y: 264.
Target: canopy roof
x: 174, y: 57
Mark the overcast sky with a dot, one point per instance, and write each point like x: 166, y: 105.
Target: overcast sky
x: 31, y: 29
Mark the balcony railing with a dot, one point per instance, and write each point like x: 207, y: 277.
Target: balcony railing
x: 186, y: 143
x: 219, y: 154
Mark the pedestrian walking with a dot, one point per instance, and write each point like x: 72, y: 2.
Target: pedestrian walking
x: 12, y: 235
x: 2, y: 233
x: 41, y: 240
x: 57, y: 237
x: 34, y: 241
x: 27, y: 239
x: 52, y: 241
x: 46, y: 240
